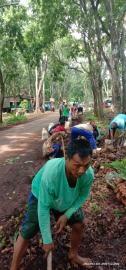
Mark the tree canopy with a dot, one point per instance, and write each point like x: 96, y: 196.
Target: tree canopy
x: 68, y: 49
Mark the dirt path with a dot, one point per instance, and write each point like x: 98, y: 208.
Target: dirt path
x: 20, y: 158
x: 104, y: 239
x: 15, y: 139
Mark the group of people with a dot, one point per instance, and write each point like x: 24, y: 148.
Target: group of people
x: 76, y: 109
x: 64, y: 111
x: 69, y: 112
x: 61, y: 187
x: 89, y: 131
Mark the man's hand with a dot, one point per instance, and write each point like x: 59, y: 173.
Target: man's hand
x: 47, y: 248
x: 60, y: 224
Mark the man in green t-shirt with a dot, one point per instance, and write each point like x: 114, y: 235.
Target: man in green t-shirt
x: 117, y: 123
x: 62, y: 186
x: 65, y: 112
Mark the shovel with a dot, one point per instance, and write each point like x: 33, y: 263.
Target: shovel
x: 49, y: 261
x: 49, y: 257
x: 63, y: 147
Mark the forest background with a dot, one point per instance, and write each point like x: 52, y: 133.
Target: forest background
x: 64, y: 49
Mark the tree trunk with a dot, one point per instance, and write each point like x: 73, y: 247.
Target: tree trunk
x: 95, y: 101
x: 91, y: 76
x: 123, y: 61
x: 30, y: 81
x: 100, y: 105
x: 40, y: 82
x: 37, y: 106
x: 99, y: 84
x: 124, y: 84
x: 97, y: 68
x: 43, y: 96
x: 115, y: 56
x: 94, y: 60
x: 116, y: 84
x: 2, y: 90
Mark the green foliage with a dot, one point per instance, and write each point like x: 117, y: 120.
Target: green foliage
x: 24, y: 104
x: 12, y: 160
x: 16, y: 234
x: 12, y: 21
x: 3, y: 242
x: 118, y: 213
x: 102, y: 125
x: 15, y: 119
x: 95, y: 208
x: 119, y: 166
x: 48, y: 27
x: 90, y: 117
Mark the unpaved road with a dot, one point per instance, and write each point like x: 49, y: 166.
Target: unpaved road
x: 16, y: 138
x: 20, y: 159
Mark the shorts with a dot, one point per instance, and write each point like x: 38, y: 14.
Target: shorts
x: 30, y: 225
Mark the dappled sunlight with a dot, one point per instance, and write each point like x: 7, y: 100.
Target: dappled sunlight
x: 16, y: 140
x: 7, y: 148
x: 18, y: 136
x: 15, y: 143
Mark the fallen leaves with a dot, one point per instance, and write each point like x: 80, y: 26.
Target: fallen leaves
x: 12, y: 160
x: 104, y: 231
x: 120, y: 191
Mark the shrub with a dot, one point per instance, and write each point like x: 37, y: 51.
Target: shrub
x: 119, y: 166
x: 15, y: 119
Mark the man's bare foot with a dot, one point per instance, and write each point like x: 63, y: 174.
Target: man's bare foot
x: 78, y: 260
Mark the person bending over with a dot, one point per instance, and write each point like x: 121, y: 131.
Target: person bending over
x: 118, y: 123
x: 59, y: 127
x: 96, y: 132
x: 80, y: 131
x: 62, y: 186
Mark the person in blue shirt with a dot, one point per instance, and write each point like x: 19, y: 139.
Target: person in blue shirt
x: 118, y: 122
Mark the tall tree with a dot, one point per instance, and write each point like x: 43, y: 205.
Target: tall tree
x: 77, y: 13
x: 111, y: 16
x: 11, y: 19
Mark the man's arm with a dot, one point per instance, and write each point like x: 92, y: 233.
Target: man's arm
x: 44, y: 201
x: 111, y: 132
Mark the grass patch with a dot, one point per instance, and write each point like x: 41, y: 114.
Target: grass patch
x: 102, y: 125
x: 3, y: 242
x: 89, y: 116
x: 13, y: 119
x: 118, y: 213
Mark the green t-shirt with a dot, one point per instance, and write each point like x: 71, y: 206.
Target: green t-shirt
x: 120, y: 120
x: 51, y: 188
x: 66, y: 111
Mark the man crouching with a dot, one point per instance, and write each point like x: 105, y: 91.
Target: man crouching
x: 62, y: 186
